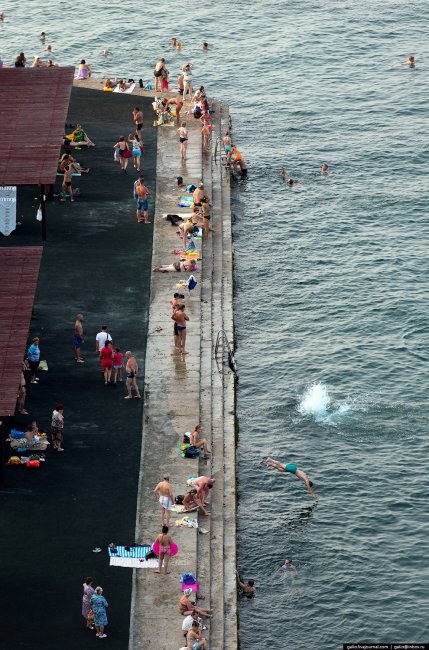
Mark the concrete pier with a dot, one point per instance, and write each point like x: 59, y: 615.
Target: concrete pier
x: 179, y: 393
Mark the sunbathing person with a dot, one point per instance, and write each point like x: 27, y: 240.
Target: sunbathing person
x: 188, y: 227
x: 184, y: 266
x: 197, y: 442
x: 78, y: 138
x: 186, y: 607
x: 109, y: 84
x: 191, y: 502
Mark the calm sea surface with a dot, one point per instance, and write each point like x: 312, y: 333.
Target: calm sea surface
x: 331, y: 288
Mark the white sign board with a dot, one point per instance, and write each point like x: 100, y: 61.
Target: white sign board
x: 7, y: 209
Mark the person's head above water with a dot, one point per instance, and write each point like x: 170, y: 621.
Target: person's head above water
x: 250, y: 583
x: 324, y: 167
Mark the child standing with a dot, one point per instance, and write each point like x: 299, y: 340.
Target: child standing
x: 118, y: 364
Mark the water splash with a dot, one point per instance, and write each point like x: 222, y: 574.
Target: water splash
x: 315, y: 401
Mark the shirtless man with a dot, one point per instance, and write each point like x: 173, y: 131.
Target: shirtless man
x: 142, y: 193
x: 67, y: 183
x: 131, y: 370
x: 246, y: 588
x: 138, y: 119
x: 178, y: 103
x: 198, y: 195
x: 180, y: 319
x: 78, y: 338
x: 164, y: 493
x: 293, y: 469
x: 203, y: 485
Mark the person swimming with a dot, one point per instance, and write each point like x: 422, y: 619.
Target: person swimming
x: 293, y: 469
x: 288, y: 566
x: 410, y: 62
x: 325, y: 169
x: 105, y: 53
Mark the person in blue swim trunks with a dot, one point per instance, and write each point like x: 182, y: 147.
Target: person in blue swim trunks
x: 293, y: 469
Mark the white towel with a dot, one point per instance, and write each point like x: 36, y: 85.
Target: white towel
x: 123, y: 92
x: 133, y: 562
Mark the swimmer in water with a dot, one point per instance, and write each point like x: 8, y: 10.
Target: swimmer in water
x: 205, y: 46
x: 246, y: 588
x: 410, y: 62
x: 2, y: 16
x: 288, y: 566
x: 43, y: 37
x: 325, y: 169
x: 174, y: 42
x: 293, y: 469
x: 105, y: 53
x: 291, y: 182
x: 283, y: 173
x: 49, y: 48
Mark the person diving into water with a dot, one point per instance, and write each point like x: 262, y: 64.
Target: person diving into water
x: 293, y: 469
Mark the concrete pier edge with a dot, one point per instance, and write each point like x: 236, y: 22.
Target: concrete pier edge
x: 209, y: 388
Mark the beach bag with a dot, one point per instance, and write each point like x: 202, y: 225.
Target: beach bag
x: 188, y: 579
x: 191, y: 452
x: 127, y: 154
x: 33, y: 463
x: 14, y: 460
x: 192, y: 283
x: 186, y: 437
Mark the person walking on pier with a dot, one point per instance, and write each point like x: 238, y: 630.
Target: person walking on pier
x: 293, y: 469
x: 138, y: 119
x: 131, y: 371
x: 78, y: 338
x: 164, y: 540
x: 164, y: 492
x: 141, y: 193
x: 183, y: 139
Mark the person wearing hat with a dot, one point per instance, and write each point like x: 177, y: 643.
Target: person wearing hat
x: 33, y: 356
x: 186, y: 607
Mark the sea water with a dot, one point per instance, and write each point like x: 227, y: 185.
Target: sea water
x: 331, y: 293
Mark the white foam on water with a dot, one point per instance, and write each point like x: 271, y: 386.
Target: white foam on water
x: 315, y: 401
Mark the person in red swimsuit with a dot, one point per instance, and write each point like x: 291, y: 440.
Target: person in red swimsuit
x: 106, y: 357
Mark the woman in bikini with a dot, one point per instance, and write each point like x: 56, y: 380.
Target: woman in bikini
x: 164, y: 540
x: 182, y: 266
x: 183, y: 139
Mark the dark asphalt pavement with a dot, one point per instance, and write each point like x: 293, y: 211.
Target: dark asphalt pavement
x: 96, y: 261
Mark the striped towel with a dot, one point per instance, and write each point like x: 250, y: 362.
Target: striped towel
x: 132, y: 551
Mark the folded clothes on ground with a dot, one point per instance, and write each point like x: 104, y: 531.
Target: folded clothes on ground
x: 187, y: 522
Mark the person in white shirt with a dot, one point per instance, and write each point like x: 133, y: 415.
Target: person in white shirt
x: 188, y: 620
x: 101, y: 339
